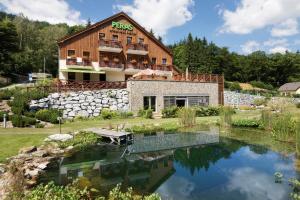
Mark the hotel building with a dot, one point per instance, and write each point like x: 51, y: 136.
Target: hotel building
x: 117, y: 52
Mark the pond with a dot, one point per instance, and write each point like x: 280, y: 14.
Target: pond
x: 196, y: 165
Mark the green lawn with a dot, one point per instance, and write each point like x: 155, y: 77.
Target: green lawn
x: 11, y: 143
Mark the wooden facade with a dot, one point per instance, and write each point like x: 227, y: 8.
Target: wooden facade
x: 103, y: 46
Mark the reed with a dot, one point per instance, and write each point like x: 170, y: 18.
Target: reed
x: 284, y: 127
x: 226, y: 116
x: 187, y: 117
x: 266, y: 119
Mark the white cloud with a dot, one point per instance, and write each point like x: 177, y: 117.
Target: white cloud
x: 286, y: 28
x: 251, y: 15
x: 279, y: 49
x: 276, y: 42
x: 255, y: 184
x: 160, y: 15
x: 250, y: 47
x: 52, y: 11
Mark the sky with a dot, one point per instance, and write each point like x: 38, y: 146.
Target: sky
x: 243, y: 26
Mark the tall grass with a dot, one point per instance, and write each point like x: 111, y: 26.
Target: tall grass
x: 226, y: 116
x: 187, y: 117
x: 266, y: 119
x: 284, y: 127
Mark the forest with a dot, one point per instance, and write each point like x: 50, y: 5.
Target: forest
x: 25, y: 46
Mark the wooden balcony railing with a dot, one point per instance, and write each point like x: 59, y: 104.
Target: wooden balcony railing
x: 137, y: 46
x: 73, y: 61
x: 110, y: 43
x: 111, y: 64
x: 162, y: 67
x: 137, y: 65
x: 89, y: 85
x: 205, y: 78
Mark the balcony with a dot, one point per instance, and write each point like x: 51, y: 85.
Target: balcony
x: 110, y: 46
x: 161, y: 67
x: 111, y: 64
x: 79, y: 63
x: 137, y: 49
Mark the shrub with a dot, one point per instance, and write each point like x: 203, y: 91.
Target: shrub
x: 125, y: 115
x: 296, y: 95
x: 38, y: 125
x: 52, y: 191
x: 170, y: 112
x: 148, y: 114
x: 202, y: 111
x: 235, y: 86
x: 263, y: 85
x: 108, y: 114
x: 260, y: 101
x: 19, y: 105
x: 81, y: 140
x: 1, y: 115
x: 246, y: 123
x: 298, y: 105
x: 36, y: 94
x: 48, y: 115
x: 22, y: 121
x: 6, y: 94
x: 187, y: 117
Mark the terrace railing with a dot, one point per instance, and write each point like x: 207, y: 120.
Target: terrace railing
x: 137, y: 46
x: 73, y: 61
x: 110, y: 43
x: 79, y: 86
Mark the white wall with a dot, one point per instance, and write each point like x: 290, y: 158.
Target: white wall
x: 115, y: 76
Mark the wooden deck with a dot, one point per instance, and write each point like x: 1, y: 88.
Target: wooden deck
x: 113, y: 137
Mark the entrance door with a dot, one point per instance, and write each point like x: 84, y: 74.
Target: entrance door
x: 180, y: 102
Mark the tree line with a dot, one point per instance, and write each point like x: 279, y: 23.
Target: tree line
x: 201, y: 56
x: 25, y: 46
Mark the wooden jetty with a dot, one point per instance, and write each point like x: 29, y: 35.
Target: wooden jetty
x: 113, y: 136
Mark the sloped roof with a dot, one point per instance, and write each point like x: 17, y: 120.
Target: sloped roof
x: 121, y: 14
x: 290, y: 86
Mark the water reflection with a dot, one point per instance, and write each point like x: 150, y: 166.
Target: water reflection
x: 216, y: 169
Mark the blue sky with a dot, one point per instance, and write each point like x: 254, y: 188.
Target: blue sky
x: 241, y: 25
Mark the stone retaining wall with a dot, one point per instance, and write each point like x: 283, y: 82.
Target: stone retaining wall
x: 84, y: 103
x: 234, y: 99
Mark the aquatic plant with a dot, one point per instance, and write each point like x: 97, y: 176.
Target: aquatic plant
x: 266, y: 119
x: 187, y: 117
x: 284, y: 127
x: 81, y: 140
x: 278, y: 177
x: 254, y: 123
x: 226, y: 116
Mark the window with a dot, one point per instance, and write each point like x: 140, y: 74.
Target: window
x: 101, y: 36
x: 129, y: 40
x: 164, y: 61
x: 86, y: 76
x: 127, y: 77
x: 71, y: 53
x: 86, y: 54
x: 71, y: 76
x: 102, y: 77
x: 115, y: 37
x: 141, y: 40
x: 150, y: 103
x: 153, y: 61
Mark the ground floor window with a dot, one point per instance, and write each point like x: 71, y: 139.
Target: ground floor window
x: 86, y: 76
x: 185, y: 101
x: 150, y: 102
x: 102, y: 77
x: 71, y: 76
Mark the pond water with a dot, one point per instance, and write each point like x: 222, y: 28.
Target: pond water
x: 198, y: 165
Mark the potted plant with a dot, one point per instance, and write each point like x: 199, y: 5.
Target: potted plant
x: 133, y: 61
x: 105, y: 59
x: 116, y: 60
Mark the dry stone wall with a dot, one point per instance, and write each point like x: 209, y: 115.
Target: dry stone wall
x: 84, y: 103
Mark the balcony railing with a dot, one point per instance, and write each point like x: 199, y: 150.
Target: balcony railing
x: 137, y: 46
x: 111, y: 63
x: 205, y: 78
x: 73, y: 61
x: 161, y: 67
x: 110, y: 43
x: 137, y: 65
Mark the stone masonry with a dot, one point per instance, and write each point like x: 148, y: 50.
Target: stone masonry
x: 84, y: 103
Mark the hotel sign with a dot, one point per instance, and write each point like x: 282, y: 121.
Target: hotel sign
x: 121, y: 26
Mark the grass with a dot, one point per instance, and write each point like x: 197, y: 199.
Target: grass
x: 11, y: 143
